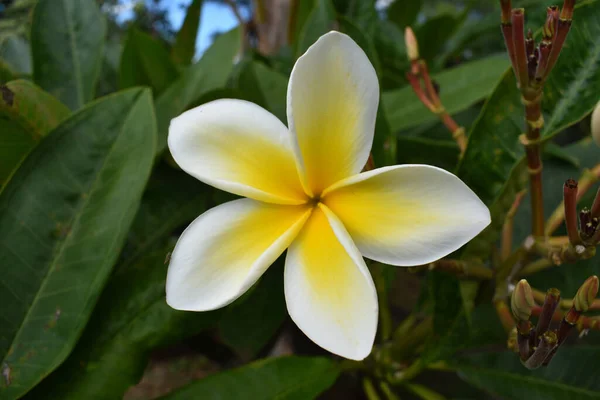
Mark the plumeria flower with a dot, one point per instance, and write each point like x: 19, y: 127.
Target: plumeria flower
x: 305, y: 193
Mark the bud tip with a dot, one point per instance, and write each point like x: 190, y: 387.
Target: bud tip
x: 522, y: 301
x: 412, y: 46
x: 586, y: 294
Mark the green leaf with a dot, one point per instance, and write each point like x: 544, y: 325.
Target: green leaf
x: 145, y: 62
x: 494, y: 146
x: 285, y: 378
x: 571, y: 375
x: 403, y: 13
x: 16, y: 54
x: 67, y: 37
x: 65, y: 215
x: 319, y: 22
x: 27, y: 114
x: 434, y: 33
x: 460, y: 87
x: 184, y: 47
x: 6, y: 74
x: 250, y: 323
x: 132, y: 317
x: 211, y: 72
x: 265, y: 87
x: 412, y: 150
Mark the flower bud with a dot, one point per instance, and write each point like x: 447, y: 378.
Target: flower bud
x: 586, y: 294
x: 596, y: 124
x: 412, y: 47
x: 522, y: 301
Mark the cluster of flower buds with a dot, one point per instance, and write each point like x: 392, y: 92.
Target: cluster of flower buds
x: 582, y: 228
x: 532, y: 64
x: 537, y: 345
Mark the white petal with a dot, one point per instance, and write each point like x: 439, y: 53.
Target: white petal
x: 239, y: 147
x: 328, y: 289
x: 332, y: 101
x: 407, y: 214
x: 225, y: 250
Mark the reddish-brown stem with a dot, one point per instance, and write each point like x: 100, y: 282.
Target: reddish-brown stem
x: 505, y: 9
x: 537, y: 310
x: 570, y: 202
x: 547, y: 313
x: 510, y: 45
x: 416, y: 86
x: 586, y: 181
x: 562, y: 30
x: 518, y: 33
x: 567, y: 10
x: 547, y: 343
x: 430, y: 98
x: 588, y: 323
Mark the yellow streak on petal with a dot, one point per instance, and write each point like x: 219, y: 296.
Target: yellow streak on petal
x: 258, y: 163
x: 237, y: 249
x: 330, y: 272
x: 366, y: 207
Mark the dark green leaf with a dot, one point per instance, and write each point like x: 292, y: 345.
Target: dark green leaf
x: 286, y: 378
x: 434, y: 33
x: 571, y: 375
x: 67, y: 37
x: 385, y: 146
x: 27, y: 114
x: 249, y: 324
x: 319, y: 22
x: 185, y: 42
x: 460, y: 87
x: 145, y: 62
x: 211, y: 72
x: 415, y: 150
x: 132, y: 317
x: 267, y: 88
x: 65, y: 215
x: 404, y: 13
x: 16, y: 54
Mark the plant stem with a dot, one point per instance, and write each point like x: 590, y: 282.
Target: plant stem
x: 536, y: 266
x: 504, y: 314
x: 507, y: 228
x: 585, y: 182
x: 570, y: 204
x: 548, y: 341
x: 460, y: 268
x: 385, y: 317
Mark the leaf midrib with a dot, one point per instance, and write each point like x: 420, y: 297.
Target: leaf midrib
x: 61, y: 245
x: 74, y: 56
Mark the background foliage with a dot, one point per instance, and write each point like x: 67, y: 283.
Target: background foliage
x: 91, y: 203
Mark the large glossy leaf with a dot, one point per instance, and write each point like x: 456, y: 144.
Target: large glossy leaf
x: 460, y: 87
x: 572, y: 375
x: 145, y: 62
x: 211, y: 72
x: 27, y: 114
x: 67, y: 37
x: 63, y: 218
x: 286, y: 378
x: 132, y: 317
x: 494, y: 146
x: 184, y: 47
